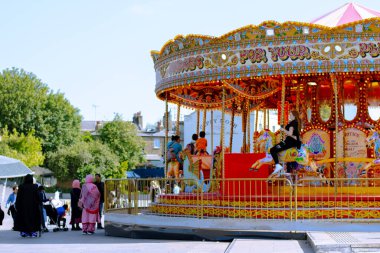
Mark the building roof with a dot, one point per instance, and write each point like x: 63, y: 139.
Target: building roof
x: 155, y: 134
x: 350, y: 12
x: 41, y: 171
x: 88, y: 125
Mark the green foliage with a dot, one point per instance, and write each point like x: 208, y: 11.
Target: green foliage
x: 87, y: 137
x: 26, y: 148
x: 121, y: 137
x: 27, y: 104
x: 82, y: 158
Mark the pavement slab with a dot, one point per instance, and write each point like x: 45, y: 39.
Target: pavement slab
x: 263, y: 246
x: 344, y: 241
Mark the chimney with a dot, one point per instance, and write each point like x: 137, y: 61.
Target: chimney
x: 138, y: 120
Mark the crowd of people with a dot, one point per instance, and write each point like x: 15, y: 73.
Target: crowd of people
x: 29, y: 207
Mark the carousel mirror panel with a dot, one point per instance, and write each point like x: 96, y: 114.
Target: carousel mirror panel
x: 373, y: 95
x: 324, y: 95
x: 308, y: 101
x: 349, y: 99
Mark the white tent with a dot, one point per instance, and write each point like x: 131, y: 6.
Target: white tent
x: 11, y: 168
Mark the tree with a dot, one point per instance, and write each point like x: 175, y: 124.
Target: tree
x: 121, y: 137
x: 82, y: 158
x: 27, y: 104
x: 26, y: 148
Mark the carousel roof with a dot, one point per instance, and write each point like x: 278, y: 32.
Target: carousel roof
x: 252, y: 63
x: 350, y: 12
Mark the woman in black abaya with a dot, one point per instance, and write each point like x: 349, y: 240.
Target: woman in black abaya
x: 28, y: 219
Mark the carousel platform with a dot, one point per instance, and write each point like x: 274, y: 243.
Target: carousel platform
x: 119, y: 223
x: 270, y: 206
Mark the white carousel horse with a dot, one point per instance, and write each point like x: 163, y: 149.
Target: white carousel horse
x: 301, y: 156
x: 191, y: 172
x: 374, y: 140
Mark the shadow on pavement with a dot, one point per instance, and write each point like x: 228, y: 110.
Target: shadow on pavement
x: 69, y: 237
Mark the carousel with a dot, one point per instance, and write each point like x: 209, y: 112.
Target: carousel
x: 327, y: 70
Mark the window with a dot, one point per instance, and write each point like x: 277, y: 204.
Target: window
x: 156, y: 143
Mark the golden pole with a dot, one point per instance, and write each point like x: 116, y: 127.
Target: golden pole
x: 166, y: 133
x: 256, y: 120
x: 198, y: 121
x: 335, y: 87
x: 244, y: 127
x: 178, y: 119
x: 282, y: 119
x: 268, y: 119
x: 249, y: 130
x: 265, y: 118
x: 298, y: 100
x: 204, y: 120
x: 232, y: 125
x: 222, y: 130
x: 256, y: 130
x: 212, y: 132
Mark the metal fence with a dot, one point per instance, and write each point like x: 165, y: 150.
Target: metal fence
x: 280, y: 198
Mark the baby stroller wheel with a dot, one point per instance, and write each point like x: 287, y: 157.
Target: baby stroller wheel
x: 55, y: 229
x: 65, y: 229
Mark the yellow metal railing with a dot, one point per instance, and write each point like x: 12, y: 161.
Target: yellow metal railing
x: 280, y: 198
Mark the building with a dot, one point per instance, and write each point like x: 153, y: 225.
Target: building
x: 153, y: 136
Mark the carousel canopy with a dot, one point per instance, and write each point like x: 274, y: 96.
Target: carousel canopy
x: 252, y: 64
x: 347, y: 13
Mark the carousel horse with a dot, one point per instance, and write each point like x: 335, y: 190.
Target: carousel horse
x: 193, y: 182
x: 301, y: 156
x: 173, y: 169
x: 373, y: 140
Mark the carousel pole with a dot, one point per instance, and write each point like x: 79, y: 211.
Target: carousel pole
x: 335, y: 87
x: 282, y: 119
x: 298, y: 99
x: 232, y: 125
x: 166, y: 133
x: 222, y: 130
x: 265, y: 119
x: 204, y: 120
x: 178, y: 132
x: 249, y: 130
x: 212, y: 132
x: 268, y: 119
x: 244, y: 126
x: 256, y: 129
x: 198, y: 121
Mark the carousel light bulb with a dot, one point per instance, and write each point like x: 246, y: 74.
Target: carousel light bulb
x: 224, y: 57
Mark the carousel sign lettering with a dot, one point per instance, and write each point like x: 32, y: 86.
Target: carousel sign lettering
x: 369, y: 48
x: 189, y: 64
x: 298, y: 52
x: 256, y: 55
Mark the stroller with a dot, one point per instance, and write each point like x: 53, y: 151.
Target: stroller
x: 56, y: 213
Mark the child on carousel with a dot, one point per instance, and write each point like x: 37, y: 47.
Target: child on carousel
x: 201, y: 144
x: 292, y: 132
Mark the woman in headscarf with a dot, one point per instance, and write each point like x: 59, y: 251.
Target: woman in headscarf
x: 76, y: 212
x: 90, y: 198
x: 28, y: 220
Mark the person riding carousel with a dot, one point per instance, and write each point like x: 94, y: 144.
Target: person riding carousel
x: 292, y: 132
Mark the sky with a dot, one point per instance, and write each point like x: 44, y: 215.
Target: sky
x: 97, y: 52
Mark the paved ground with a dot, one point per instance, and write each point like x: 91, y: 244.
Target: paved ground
x: 74, y: 241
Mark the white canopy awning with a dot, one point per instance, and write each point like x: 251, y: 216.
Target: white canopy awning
x: 10, y: 168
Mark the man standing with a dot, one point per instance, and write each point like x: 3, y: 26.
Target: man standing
x: 100, y: 185
x: 11, y: 203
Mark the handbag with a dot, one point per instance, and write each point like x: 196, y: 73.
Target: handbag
x: 80, y: 201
